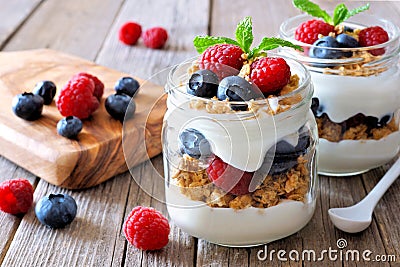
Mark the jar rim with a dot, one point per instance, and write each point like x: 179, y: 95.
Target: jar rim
x: 304, y: 83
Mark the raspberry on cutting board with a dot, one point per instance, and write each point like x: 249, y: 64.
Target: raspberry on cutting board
x: 77, y: 98
x: 146, y: 228
x: 16, y: 196
x: 98, y: 85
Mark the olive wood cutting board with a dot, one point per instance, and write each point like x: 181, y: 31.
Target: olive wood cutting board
x: 97, y: 154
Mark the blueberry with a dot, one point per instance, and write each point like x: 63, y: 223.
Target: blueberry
x: 27, y: 106
x: 194, y: 144
x: 236, y: 88
x: 316, y: 108
x: 47, y: 90
x: 128, y: 86
x: 282, y: 163
x: 117, y: 104
x: 56, y: 210
x: 69, y: 127
x: 384, y: 120
x: 317, y: 50
x: 203, y: 83
x: 346, y: 40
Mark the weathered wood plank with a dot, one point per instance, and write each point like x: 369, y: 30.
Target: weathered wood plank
x: 76, y: 27
x: 13, y: 14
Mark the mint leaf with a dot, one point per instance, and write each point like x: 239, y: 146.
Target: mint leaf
x: 271, y: 43
x: 244, y: 34
x: 312, y: 9
x: 356, y: 11
x: 201, y: 43
x: 339, y: 14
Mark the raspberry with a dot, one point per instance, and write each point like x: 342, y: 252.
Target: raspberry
x: 308, y: 31
x: 270, y: 74
x: 16, y: 196
x: 129, y: 33
x: 155, y: 37
x: 76, y: 98
x: 98, y: 85
x: 223, y: 59
x: 146, y: 228
x: 229, y: 178
x: 373, y: 36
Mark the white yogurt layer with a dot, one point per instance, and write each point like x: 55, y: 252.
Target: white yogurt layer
x: 345, y: 96
x: 250, y: 226
x: 355, y: 156
x: 239, y: 139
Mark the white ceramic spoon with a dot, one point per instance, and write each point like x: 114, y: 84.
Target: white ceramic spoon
x: 358, y: 217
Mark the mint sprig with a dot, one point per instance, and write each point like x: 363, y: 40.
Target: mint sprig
x: 244, y: 39
x: 340, y: 14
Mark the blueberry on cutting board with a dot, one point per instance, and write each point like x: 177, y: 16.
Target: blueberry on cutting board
x: 27, y: 106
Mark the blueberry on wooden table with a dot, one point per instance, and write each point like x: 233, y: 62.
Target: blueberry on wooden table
x: 56, y: 210
x: 117, y: 105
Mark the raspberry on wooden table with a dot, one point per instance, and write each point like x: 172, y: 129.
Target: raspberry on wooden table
x: 129, y: 33
x: 16, y: 196
x: 146, y: 228
x: 155, y: 37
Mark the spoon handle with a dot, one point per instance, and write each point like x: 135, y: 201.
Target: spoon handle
x: 380, y: 188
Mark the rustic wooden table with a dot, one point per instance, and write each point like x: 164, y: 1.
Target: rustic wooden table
x: 89, y: 29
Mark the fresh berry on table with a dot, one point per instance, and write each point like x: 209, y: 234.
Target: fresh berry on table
x: 146, y: 228
x: 128, y: 86
x: 129, y: 33
x: 77, y: 98
x: 16, y: 196
x: 56, y: 210
x: 47, y: 90
x: 155, y: 38
x: 28, y: 106
x: 194, y: 144
x: 117, y: 105
x: 69, y: 127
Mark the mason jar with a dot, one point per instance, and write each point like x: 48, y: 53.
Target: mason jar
x: 357, y: 98
x: 262, y: 151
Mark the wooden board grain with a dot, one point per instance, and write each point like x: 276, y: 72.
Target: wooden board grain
x: 97, y: 155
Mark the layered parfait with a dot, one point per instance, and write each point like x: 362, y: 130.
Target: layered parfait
x: 239, y: 142
x: 354, y: 66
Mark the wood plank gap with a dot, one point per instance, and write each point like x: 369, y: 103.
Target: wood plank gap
x: 21, y: 24
x: 195, y: 247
